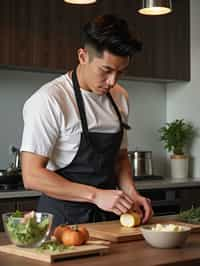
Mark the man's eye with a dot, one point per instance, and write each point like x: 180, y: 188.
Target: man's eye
x: 106, y: 71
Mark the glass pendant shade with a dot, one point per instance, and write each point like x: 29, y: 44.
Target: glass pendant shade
x: 80, y: 2
x: 155, y: 7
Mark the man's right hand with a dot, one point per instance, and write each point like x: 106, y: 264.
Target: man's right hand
x: 113, y: 201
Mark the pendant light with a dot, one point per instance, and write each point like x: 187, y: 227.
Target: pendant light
x: 80, y: 2
x: 155, y: 7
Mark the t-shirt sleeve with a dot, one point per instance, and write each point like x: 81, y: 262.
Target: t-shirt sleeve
x: 41, y: 125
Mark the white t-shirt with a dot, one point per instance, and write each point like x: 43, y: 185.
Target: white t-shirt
x: 52, y: 125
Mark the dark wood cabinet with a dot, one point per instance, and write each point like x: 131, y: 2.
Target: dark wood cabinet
x: 38, y: 34
x: 27, y: 204
x: 6, y: 206
x: 45, y: 35
x: 189, y: 197
x: 166, y: 201
x: 11, y: 205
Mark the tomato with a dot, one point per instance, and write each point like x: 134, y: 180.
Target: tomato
x: 78, y: 235
x: 85, y: 232
x: 72, y: 238
x: 58, y: 231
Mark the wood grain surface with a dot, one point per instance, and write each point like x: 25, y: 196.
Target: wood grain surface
x: 113, y: 231
x: 90, y: 248
x: 130, y: 253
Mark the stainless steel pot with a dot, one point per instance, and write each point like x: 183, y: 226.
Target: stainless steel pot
x: 141, y: 163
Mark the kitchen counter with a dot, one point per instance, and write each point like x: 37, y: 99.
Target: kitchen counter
x: 166, y: 183
x: 131, y: 253
x: 141, y: 185
x: 19, y: 194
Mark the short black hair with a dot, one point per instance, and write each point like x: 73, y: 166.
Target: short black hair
x: 111, y: 33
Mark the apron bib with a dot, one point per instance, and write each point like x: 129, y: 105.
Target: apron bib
x: 93, y: 165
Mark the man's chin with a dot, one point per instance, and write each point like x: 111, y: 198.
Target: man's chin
x: 102, y: 91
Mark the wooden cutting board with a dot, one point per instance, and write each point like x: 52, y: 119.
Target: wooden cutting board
x: 114, y: 232
x: 47, y: 256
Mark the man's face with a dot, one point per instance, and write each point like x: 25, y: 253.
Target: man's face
x: 102, y: 72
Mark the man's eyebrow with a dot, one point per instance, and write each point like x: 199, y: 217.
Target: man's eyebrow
x: 110, y: 68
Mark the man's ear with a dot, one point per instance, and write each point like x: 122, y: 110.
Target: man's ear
x: 83, y: 56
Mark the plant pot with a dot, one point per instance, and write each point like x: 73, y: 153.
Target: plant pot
x: 179, y: 166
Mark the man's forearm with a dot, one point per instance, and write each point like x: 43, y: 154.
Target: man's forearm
x: 54, y: 185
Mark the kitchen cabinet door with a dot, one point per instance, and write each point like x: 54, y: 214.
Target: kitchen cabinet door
x: 45, y: 35
x: 171, y: 43
x: 189, y: 198
x: 38, y: 35
x: 27, y: 204
x: 55, y: 34
x: 6, y: 206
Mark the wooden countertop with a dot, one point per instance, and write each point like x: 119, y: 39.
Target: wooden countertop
x: 136, y: 253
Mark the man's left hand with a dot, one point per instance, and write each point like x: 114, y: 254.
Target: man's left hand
x: 143, y: 206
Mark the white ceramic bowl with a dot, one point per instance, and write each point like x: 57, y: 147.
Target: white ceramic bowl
x: 165, y: 239
x: 30, y: 233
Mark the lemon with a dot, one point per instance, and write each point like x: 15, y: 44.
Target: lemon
x: 130, y: 219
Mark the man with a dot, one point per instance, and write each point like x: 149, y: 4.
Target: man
x: 74, y: 146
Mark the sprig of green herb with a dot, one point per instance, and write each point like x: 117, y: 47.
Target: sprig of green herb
x: 192, y: 215
x: 53, y: 246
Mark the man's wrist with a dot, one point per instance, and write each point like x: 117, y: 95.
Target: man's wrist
x: 92, y: 194
x: 131, y: 191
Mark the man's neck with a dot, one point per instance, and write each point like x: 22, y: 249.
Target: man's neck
x: 81, y: 78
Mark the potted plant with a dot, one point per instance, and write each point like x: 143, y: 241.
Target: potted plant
x: 175, y: 136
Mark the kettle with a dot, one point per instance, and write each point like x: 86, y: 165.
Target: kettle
x: 141, y: 163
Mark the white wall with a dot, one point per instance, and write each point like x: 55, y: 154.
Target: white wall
x: 147, y: 115
x: 147, y: 112
x: 183, y: 99
x: 15, y: 88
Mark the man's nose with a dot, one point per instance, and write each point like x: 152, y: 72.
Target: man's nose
x: 111, y: 80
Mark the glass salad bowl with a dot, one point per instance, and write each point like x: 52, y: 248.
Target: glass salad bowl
x: 27, y: 229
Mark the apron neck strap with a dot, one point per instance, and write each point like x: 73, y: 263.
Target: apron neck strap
x: 80, y: 104
x: 116, y: 109
x: 122, y: 124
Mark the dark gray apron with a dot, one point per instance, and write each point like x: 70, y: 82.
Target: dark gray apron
x: 93, y: 165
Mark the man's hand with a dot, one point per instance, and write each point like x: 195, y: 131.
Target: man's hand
x: 143, y: 206
x: 113, y: 201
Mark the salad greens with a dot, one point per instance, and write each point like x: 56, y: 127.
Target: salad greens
x: 17, y: 213
x: 191, y: 216
x: 25, y: 230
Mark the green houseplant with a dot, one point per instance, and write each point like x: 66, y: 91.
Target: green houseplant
x: 175, y: 136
